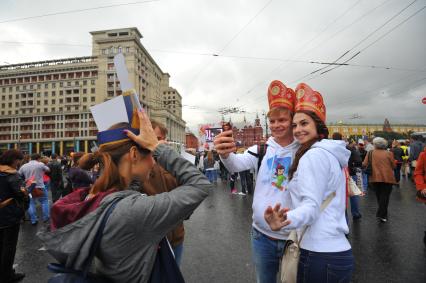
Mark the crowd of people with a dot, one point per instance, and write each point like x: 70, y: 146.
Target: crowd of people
x: 138, y: 191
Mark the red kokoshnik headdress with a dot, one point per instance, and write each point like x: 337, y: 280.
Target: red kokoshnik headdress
x: 309, y: 100
x: 280, y: 96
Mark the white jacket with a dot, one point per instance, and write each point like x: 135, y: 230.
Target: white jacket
x: 269, y: 187
x: 320, y: 173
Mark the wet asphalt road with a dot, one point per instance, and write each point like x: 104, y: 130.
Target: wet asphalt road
x: 217, y: 243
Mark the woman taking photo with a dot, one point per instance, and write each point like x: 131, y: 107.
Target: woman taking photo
x: 138, y: 223
x: 383, y: 175
x: 315, y: 175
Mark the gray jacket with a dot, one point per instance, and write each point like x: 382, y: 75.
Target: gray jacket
x: 135, y: 227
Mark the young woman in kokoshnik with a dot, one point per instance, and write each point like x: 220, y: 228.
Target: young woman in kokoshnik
x: 316, y: 173
x: 130, y: 241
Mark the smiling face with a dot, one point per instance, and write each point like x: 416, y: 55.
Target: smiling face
x: 280, y: 124
x: 304, y: 128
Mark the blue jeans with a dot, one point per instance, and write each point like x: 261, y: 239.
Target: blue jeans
x: 178, y: 251
x: 325, y: 267
x: 44, y: 201
x: 354, y: 200
x: 267, y: 254
x: 211, y: 175
x: 364, y: 182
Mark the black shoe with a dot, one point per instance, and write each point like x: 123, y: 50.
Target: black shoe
x: 16, y: 277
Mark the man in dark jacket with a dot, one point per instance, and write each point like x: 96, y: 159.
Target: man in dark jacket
x: 55, y: 174
x: 416, y: 147
x: 13, y: 203
x: 397, y: 155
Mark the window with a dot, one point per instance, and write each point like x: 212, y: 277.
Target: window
x: 127, y: 49
x: 92, y: 99
x: 46, y: 102
x: 61, y: 101
x: 53, y: 93
x: 92, y: 90
x: 61, y: 84
x: 111, y: 50
x: 17, y: 96
x: 84, y: 91
x: 53, y: 85
x: 38, y: 102
x: 46, y: 94
x: 45, y: 110
x: 46, y: 85
x: 53, y: 109
x: 53, y: 101
x: 119, y: 49
x: 77, y: 83
x: 104, y: 51
x: 84, y: 82
x: 38, y: 94
x: 84, y: 99
x: 92, y: 82
x: 61, y: 92
x: 17, y: 88
x: 68, y: 83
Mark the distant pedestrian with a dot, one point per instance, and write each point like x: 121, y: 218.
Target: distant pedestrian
x: 416, y: 147
x: 33, y: 172
x: 397, y: 155
x: 232, y: 182
x: 420, y: 180
x: 13, y: 203
x: 363, y: 153
x: 56, y: 177
x: 354, y: 166
x: 382, y: 177
x: 79, y: 177
x: 209, y: 167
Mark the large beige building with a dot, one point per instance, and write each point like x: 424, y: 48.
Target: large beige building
x: 45, y: 105
x: 366, y: 130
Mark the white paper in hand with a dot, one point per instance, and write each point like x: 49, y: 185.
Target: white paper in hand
x: 109, y: 113
x: 122, y: 74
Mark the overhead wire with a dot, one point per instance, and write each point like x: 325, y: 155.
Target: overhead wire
x: 75, y: 11
x: 359, y: 43
x: 228, y: 43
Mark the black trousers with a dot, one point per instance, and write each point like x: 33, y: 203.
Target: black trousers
x: 383, y: 191
x: 8, y: 242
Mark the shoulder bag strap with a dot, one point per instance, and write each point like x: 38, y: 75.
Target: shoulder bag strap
x: 324, y: 205
x: 98, y: 237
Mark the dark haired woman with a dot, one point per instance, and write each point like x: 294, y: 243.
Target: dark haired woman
x: 138, y: 223
x: 316, y: 175
x: 12, y: 209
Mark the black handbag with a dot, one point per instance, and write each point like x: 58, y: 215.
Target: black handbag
x: 369, y: 169
x: 67, y: 275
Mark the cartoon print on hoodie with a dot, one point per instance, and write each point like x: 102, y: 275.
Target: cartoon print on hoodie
x: 279, y: 168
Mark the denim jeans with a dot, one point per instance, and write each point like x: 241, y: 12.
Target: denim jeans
x: 354, y: 200
x: 325, y: 267
x: 364, y: 182
x: 178, y: 251
x: 267, y: 254
x: 211, y: 175
x: 44, y: 201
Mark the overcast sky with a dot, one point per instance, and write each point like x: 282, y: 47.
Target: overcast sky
x: 257, y: 41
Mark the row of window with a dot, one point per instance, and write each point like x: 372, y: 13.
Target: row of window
x: 46, y: 94
x: 55, y: 77
x: 115, y: 50
x: 45, y: 110
x: 53, y: 85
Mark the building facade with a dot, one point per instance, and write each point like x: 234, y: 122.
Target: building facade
x: 44, y: 106
x: 367, y: 130
x: 191, y: 141
x: 246, y: 134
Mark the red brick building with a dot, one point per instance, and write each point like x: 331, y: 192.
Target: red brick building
x: 191, y: 141
x: 248, y: 135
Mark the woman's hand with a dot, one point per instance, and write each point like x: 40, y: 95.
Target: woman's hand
x: 276, y: 217
x: 146, y: 138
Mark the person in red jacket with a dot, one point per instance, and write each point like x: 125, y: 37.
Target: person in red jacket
x: 420, y: 180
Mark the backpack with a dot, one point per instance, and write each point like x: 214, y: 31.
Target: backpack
x: 261, y: 151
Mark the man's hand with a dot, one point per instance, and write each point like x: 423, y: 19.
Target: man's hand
x: 276, y: 217
x: 224, y: 144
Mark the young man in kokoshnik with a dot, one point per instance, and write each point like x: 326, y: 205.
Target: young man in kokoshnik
x: 272, y: 177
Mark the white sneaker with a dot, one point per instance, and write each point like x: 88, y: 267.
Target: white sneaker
x: 243, y: 194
